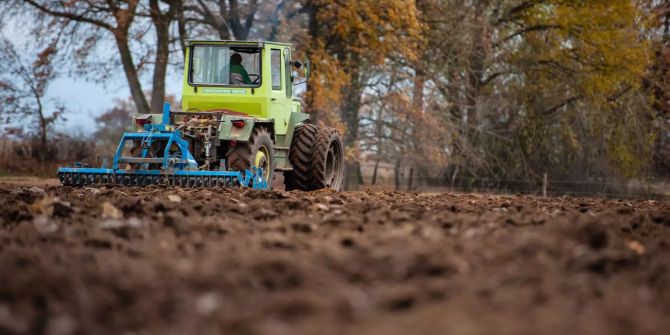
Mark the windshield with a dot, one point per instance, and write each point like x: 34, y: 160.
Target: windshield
x: 224, y: 65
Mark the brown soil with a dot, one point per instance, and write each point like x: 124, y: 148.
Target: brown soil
x: 175, y: 261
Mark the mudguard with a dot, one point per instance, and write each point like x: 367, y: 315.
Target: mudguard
x: 229, y: 129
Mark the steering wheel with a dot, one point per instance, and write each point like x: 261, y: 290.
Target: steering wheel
x: 254, y: 81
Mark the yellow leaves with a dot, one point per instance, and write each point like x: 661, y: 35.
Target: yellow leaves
x: 571, y: 138
x: 352, y: 153
x: 598, y: 42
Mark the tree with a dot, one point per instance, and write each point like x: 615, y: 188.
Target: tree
x: 162, y: 21
x: 658, y: 82
x: 114, y: 17
x: 345, y: 41
x: 230, y: 19
x: 23, y: 85
x: 587, y: 70
x: 117, y: 19
x: 536, y: 86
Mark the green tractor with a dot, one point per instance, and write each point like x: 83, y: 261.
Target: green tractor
x: 239, y: 124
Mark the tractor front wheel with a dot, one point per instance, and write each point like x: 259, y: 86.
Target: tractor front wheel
x: 258, y: 152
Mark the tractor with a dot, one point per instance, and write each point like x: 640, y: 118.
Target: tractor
x: 239, y: 124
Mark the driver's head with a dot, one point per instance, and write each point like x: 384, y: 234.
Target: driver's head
x: 235, y: 59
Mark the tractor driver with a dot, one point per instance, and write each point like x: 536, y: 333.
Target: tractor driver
x: 238, y: 75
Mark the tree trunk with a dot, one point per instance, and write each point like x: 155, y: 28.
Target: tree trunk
x: 131, y: 74
x: 476, y: 69
x: 314, y: 32
x: 419, y: 83
x: 162, y: 24
x: 351, y: 104
x: 419, y: 149
x: 409, y: 180
x: 241, y: 29
x: 374, y: 172
x: 43, y: 148
x: 453, y: 176
x: 397, y: 173
x: 181, y: 27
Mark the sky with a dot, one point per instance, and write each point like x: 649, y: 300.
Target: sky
x: 84, y: 99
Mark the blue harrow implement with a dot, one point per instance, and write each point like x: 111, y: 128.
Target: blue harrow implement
x: 162, y: 158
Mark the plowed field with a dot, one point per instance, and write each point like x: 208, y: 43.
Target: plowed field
x: 179, y: 261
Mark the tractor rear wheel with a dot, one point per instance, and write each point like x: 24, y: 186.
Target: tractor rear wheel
x: 300, y: 156
x: 327, y: 160
x: 258, y: 151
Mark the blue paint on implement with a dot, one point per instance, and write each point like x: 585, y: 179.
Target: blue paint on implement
x: 173, y: 164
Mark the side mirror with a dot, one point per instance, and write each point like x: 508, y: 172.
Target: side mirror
x: 196, y: 66
x: 307, y: 68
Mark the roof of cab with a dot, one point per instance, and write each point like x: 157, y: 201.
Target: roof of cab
x: 260, y: 44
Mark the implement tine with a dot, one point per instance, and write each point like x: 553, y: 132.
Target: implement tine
x: 191, y: 179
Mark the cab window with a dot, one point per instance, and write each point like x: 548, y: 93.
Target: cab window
x: 275, y: 68
x: 288, y: 77
x: 223, y: 65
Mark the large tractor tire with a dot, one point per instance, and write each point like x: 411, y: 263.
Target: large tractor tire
x: 258, y: 151
x: 327, y: 160
x: 300, y: 156
x: 317, y: 158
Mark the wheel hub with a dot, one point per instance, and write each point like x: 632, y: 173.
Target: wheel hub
x: 333, y: 166
x: 330, y: 167
x: 261, y: 160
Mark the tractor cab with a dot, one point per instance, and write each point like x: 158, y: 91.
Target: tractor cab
x: 251, y: 78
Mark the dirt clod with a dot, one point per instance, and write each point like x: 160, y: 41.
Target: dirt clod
x: 60, y: 208
x: 28, y: 194
x: 109, y: 211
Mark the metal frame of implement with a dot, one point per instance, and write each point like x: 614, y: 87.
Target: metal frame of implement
x: 178, y: 167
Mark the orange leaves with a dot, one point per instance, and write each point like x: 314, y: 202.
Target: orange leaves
x: 352, y: 37
x: 374, y: 29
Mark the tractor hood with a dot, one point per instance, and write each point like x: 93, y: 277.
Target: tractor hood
x: 236, y: 100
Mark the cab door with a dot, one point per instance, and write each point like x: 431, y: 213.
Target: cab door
x: 280, y: 105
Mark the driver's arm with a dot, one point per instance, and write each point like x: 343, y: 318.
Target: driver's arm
x: 246, y: 78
